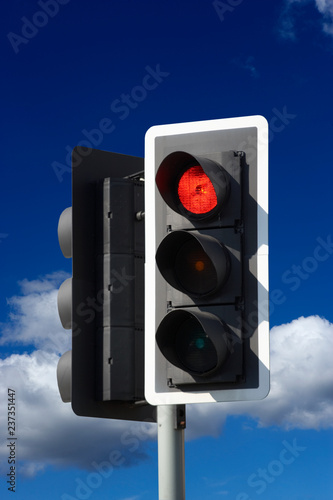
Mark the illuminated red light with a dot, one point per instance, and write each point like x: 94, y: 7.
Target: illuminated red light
x: 196, y: 191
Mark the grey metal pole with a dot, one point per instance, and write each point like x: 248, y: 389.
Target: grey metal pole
x: 171, y: 452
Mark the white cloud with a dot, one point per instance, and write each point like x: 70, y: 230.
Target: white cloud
x: 43, y: 284
x: 34, y: 316
x: 286, y: 26
x: 325, y: 7
x: 248, y: 65
x: 291, y: 9
x: 50, y: 434
x: 136, y: 497
x: 301, y: 394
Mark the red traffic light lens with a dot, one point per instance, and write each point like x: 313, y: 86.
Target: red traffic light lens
x: 196, y: 191
x: 193, y: 186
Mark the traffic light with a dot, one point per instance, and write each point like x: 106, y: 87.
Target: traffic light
x: 206, y: 280
x: 103, y: 302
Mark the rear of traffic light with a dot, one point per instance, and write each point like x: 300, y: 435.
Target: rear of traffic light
x: 206, y: 338
x: 103, y: 303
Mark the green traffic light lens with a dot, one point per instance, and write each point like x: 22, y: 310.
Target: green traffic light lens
x: 194, y: 348
x: 200, y: 343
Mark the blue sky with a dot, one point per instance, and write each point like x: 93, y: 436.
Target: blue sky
x: 68, y: 66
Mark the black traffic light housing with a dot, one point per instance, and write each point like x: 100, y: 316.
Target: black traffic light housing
x: 106, y: 292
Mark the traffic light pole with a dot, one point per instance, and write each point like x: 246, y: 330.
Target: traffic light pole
x: 171, y: 452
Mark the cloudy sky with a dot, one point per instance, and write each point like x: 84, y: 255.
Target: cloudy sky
x: 68, y: 66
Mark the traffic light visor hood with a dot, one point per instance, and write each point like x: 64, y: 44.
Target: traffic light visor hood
x: 193, y: 186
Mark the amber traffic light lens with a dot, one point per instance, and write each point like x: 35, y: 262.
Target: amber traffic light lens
x: 194, y: 263
x: 194, y: 269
